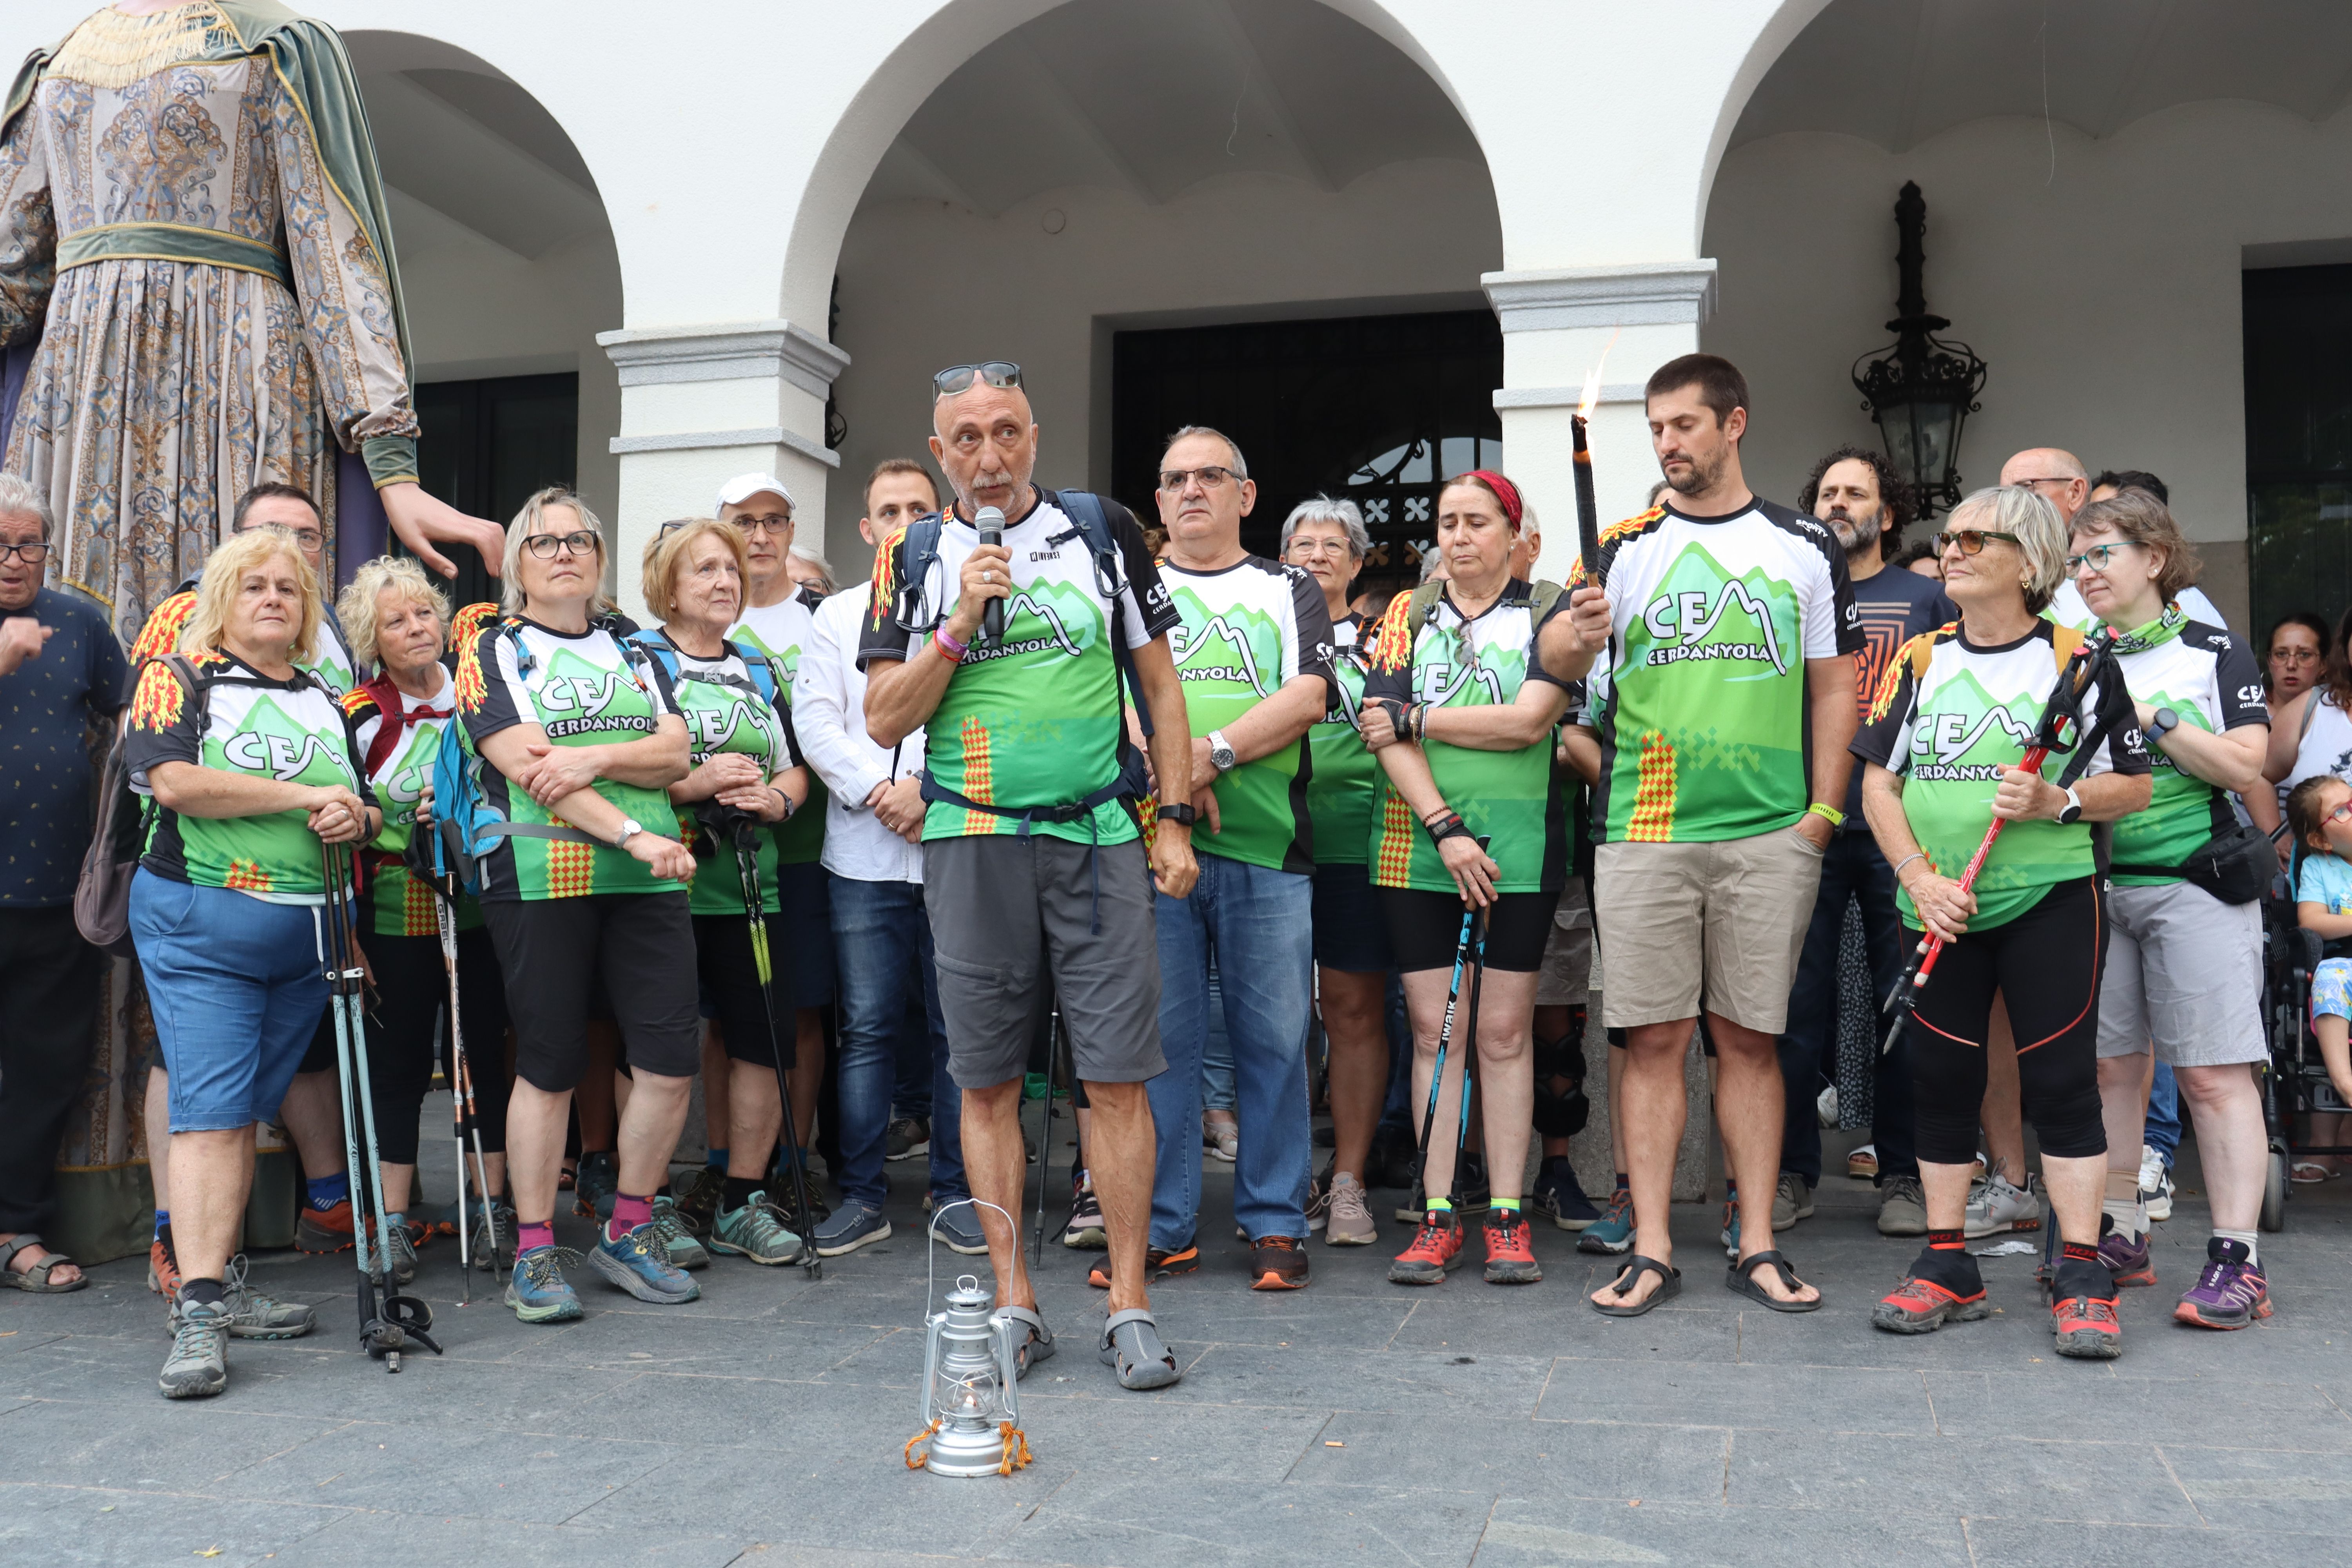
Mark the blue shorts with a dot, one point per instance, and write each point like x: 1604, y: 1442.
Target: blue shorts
x: 802, y: 931
x: 236, y: 988
x: 1352, y: 934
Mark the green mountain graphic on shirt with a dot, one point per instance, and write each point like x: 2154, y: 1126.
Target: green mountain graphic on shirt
x: 275, y: 852
x: 1230, y: 659
x: 800, y: 840
x: 1709, y: 711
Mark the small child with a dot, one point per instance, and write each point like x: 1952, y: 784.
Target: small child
x: 2320, y: 811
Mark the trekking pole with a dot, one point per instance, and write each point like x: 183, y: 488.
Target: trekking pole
x: 1470, y: 1057
x: 388, y: 1321
x: 1054, y: 1043
x: 743, y: 830
x: 1444, y: 1042
x: 463, y: 1114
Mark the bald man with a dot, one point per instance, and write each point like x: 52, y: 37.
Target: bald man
x: 1033, y: 862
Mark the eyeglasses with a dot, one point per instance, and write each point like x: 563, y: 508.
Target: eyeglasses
x: 1211, y: 477
x: 545, y: 545
x: 2295, y: 655
x: 2342, y: 813
x: 307, y: 538
x: 2097, y: 557
x: 32, y: 554
x: 778, y: 526
x: 672, y: 526
x: 1971, y: 541
x: 956, y: 377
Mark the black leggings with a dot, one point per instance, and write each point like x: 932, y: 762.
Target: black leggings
x: 412, y: 992
x: 2045, y: 964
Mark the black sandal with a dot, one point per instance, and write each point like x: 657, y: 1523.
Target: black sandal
x: 1741, y: 1278
x: 1669, y: 1284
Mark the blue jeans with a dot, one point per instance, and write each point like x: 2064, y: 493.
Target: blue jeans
x: 1217, y: 1091
x: 2163, y: 1133
x: 1260, y: 922
x: 237, y: 985
x: 880, y: 936
x: 1853, y: 865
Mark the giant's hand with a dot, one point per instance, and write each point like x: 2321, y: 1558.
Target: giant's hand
x: 420, y: 521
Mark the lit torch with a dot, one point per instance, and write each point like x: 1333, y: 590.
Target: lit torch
x: 1587, y: 516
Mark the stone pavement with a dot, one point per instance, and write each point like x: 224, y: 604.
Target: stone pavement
x: 1357, y: 1421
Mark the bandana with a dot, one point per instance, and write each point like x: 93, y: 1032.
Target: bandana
x: 1505, y: 492
x: 2155, y: 634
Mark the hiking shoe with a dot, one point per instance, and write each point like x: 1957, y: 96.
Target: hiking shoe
x: 2229, y: 1294
x: 537, y: 1289
x: 636, y: 1261
x: 1902, y: 1207
x: 2087, y: 1328
x: 1995, y: 1206
x: 1559, y: 1194
x: 1437, y: 1247
x: 2128, y: 1259
x: 593, y: 1188
x: 1318, y: 1197
x: 1613, y: 1231
x: 1922, y: 1306
x: 1730, y: 1236
x: 783, y: 1192
x: 323, y: 1230
x: 1278, y: 1263
x: 2154, y: 1182
x: 198, y: 1367
x: 1862, y: 1162
x: 251, y: 1314
x: 1085, y: 1231
x: 856, y: 1226
x: 163, y: 1270
x: 1791, y: 1201
x: 404, y: 1250
x: 1159, y: 1263
x: 757, y: 1231
x: 684, y: 1248
x: 1349, y: 1220
x: 697, y: 1209
x: 958, y: 1229
x: 478, y: 1245
x: 1510, y: 1250
x: 906, y: 1137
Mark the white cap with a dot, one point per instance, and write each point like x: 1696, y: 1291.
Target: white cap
x: 743, y: 487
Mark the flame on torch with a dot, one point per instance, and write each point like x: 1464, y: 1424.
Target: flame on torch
x: 1591, y: 397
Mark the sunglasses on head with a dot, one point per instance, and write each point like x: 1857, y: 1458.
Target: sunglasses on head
x: 1971, y: 541
x: 957, y: 377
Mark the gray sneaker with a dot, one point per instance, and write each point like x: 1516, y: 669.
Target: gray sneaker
x: 198, y: 1367
x: 252, y: 1315
x: 757, y: 1231
x: 1902, y: 1207
x: 1792, y: 1202
x: 479, y: 1244
x: 1996, y: 1207
x: 404, y: 1253
x: 686, y: 1251
x: 959, y: 1231
x: 1349, y: 1218
x: 852, y: 1226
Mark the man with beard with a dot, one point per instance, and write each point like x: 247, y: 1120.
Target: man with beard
x: 1867, y: 505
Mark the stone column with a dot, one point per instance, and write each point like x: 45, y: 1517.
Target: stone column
x: 702, y: 403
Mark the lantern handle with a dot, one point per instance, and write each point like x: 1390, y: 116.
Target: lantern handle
x: 931, y: 1245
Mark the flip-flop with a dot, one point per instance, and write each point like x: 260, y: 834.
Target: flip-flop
x: 1130, y: 1343
x: 1669, y: 1284
x: 1037, y: 1346
x: 1741, y: 1278
x: 2319, y: 1173
x: 40, y: 1277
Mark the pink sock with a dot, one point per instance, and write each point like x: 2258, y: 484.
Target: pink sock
x: 628, y: 1212
x: 535, y: 1235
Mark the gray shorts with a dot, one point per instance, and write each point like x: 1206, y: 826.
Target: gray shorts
x: 1719, y: 922
x: 1565, y: 979
x: 2184, y: 970
x: 1008, y: 913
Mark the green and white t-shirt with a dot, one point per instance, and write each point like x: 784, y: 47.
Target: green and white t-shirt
x: 2211, y: 679
x: 781, y: 631
x: 1033, y: 720
x: 724, y: 711
x: 1346, y: 775
x: 1513, y: 797
x: 403, y: 906
x: 585, y: 690
x: 1951, y: 717
x: 1247, y: 630
x: 1703, y: 728
x: 240, y: 721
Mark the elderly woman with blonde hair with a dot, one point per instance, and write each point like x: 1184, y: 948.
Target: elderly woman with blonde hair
x: 251, y: 765
x: 399, y: 623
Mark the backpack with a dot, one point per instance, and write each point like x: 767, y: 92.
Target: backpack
x: 393, y: 716
x: 1090, y: 524
x: 101, y: 903
x: 1543, y: 595
x: 664, y: 654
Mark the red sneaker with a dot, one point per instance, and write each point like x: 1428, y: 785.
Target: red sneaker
x: 1510, y: 1250
x: 1921, y: 1306
x: 1158, y: 1264
x: 163, y: 1270
x: 2088, y: 1327
x: 323, y: 1230
x: 1437, y: 1247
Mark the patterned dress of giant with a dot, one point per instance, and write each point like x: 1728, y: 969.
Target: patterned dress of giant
x: 192, y: 227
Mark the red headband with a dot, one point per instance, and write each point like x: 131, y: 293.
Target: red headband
x: 1505, y: 492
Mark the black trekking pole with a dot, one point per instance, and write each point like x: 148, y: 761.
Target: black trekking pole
x: 388, y: 1321
x: 1054, y: 1043
x: 463, y: 1114
x: 1470, y: 923
x: 741, y: 829
x: 1470, y: 1056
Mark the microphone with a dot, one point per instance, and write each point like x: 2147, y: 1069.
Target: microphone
x: 991, y: 523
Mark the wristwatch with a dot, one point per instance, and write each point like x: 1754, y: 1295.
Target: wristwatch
x: 2071, y: 812
x: 2162, y: 724
x: 630, y: 828
x: 1181, y: 811
x: 1220, y: 753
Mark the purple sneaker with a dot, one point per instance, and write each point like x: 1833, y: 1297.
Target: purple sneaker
x: 2230, y: 1294
x: 2128, y: 1261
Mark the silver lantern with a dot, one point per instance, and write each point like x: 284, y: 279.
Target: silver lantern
x: 971, y: 1400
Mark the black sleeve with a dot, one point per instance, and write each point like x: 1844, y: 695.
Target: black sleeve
x: 489, y: 699
x: 880, y: 637
x: 1882, y: 737
x: 1850, y: 638
x: 1389, y: 674
x: 1317, y: 646
x: 110, y: 672
x: 784, y: 707
x: 1536, y: 670
x: 163, y: 723
x: 2111, y: 704
x: 1151, y: 597
x: 364, y: 788
x: 2237, y: 678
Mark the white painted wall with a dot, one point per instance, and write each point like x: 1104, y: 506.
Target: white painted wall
x: 926, y: 284
x: 2104, y: 297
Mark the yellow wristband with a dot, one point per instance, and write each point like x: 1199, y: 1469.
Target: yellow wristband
x: 1822, y: 809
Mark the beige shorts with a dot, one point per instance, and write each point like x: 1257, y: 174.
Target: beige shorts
x: 1725, y: 921
x: 1567, y: 973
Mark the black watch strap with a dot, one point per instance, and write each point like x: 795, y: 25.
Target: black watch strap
x: 1180, y: 811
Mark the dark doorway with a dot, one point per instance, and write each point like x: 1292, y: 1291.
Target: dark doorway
x: 1379, y: 409
x: 488, y: 445
x: 2298, y: 325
